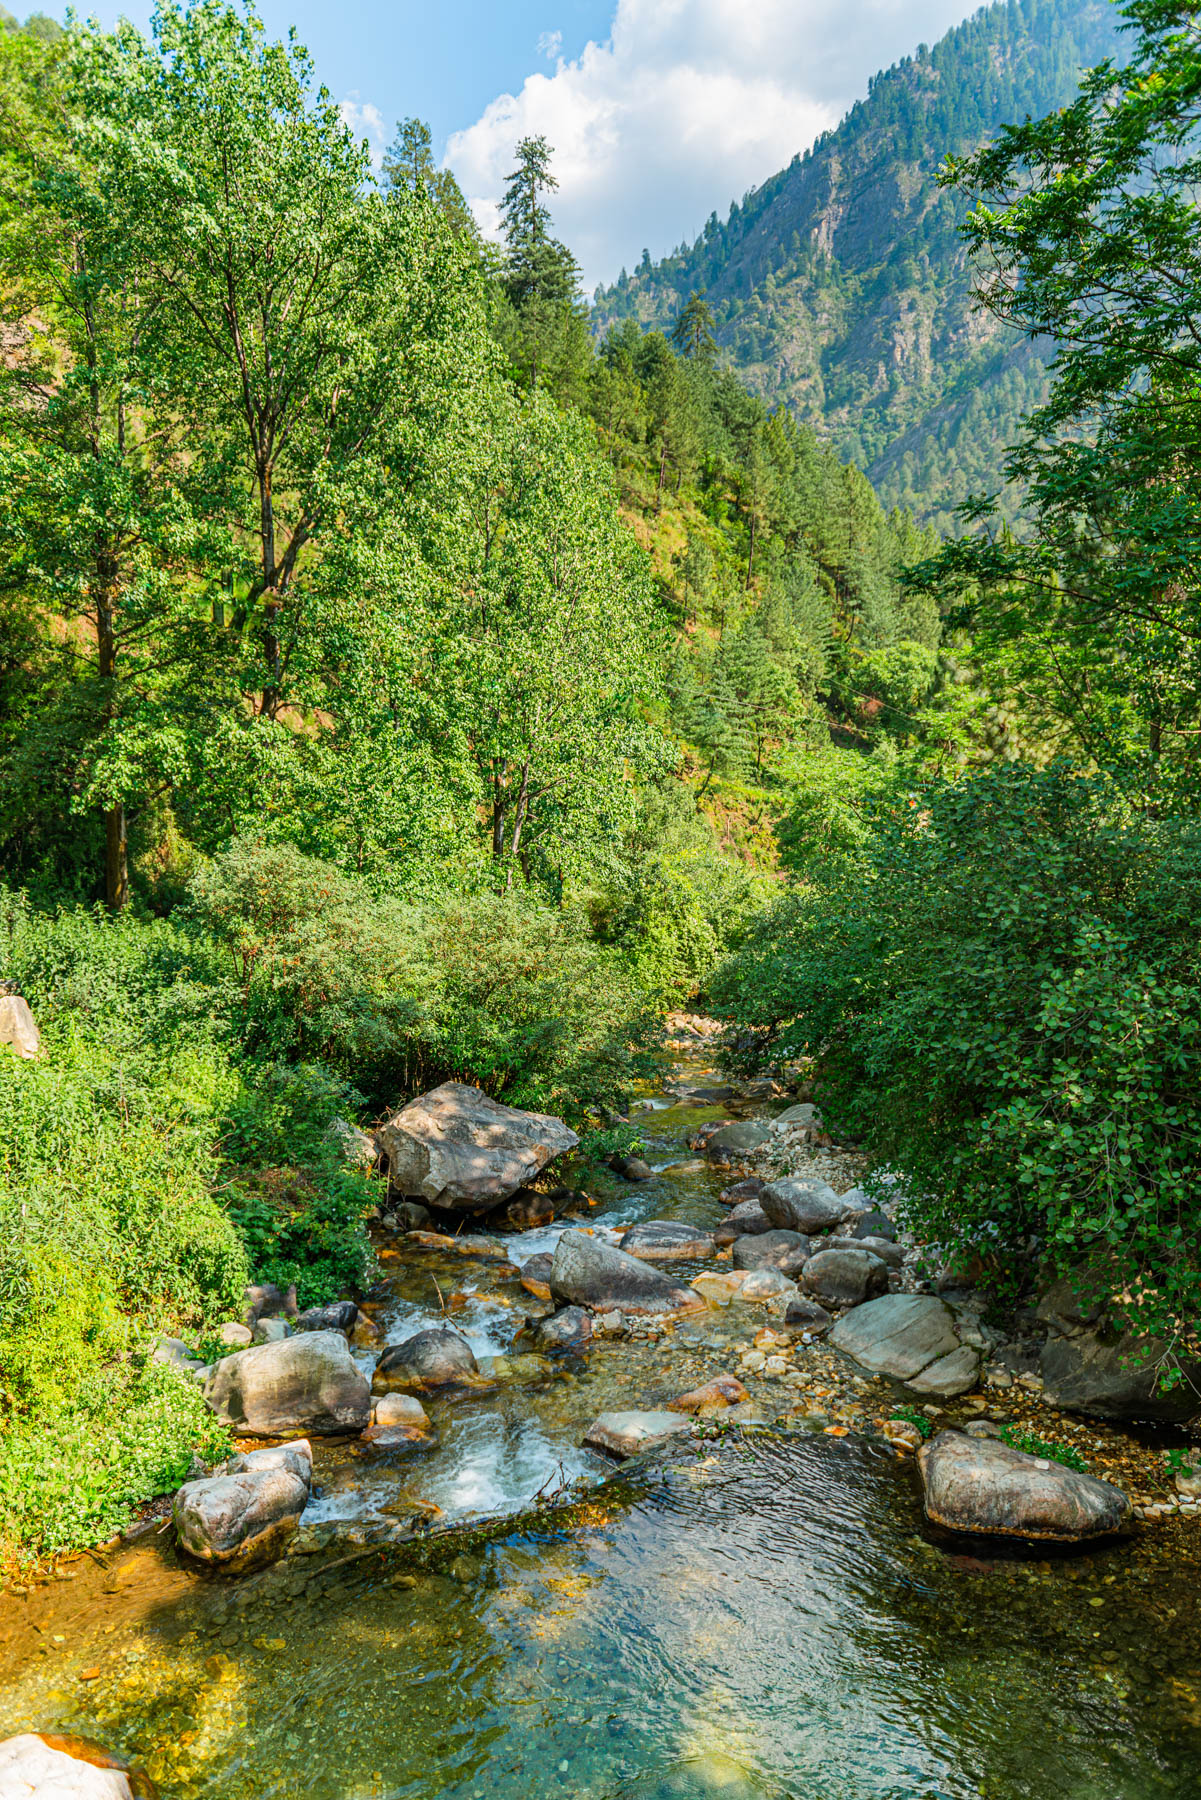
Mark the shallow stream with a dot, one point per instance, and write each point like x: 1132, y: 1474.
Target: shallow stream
x: 763, y: 1616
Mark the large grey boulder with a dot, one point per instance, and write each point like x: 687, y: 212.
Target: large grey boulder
x: 590, y: 1273
x: 911, y: 1337
x: 787, y: 1251
x: 242, y: 1519
x: 308, y: 1383
x: 17, y: 1027
x: 738, y: 1138
x: 982, y: 1485
x: 667, y: 1240
x: 435, y: 1358
x: 844, y: 1277
x: 31, y: 1768
x: 458, y: 1149
x: 797, y: 1203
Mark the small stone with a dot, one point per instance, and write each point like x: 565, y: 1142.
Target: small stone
x: 235, y: 1335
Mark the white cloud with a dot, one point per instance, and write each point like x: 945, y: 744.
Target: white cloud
x: 687, y: 105
x: 550, y: 44
x: 365, y: 121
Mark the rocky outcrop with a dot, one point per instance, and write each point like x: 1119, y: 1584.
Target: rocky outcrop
x: 18, y: 1029
x: 911, y: 1337
x: 982, y: 1486
x: 589, y: 1273
x: 33, y: 1767
x: 244, y: 1517
x: 666, y: 1240
x: 458, y: 1149
x: 308, y: 1383
x: 787, y: 1251
x: 1091, y: 1368
x: 844, y: 1277
x: 624, y: 1434
x: 436, y: 1358
x: 793, y: 1204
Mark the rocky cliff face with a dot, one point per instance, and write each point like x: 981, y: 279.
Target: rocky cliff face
x: 841, y: 287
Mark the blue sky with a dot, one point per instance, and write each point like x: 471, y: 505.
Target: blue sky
x: 660, y: 111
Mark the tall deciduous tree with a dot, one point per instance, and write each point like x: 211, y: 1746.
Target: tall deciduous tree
x: 311, y: 329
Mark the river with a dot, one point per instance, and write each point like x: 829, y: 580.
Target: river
x: 763, y: 1616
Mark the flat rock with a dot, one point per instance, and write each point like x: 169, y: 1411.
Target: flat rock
x: 949, y: 1375
x: 805, y: 1314
x: 787, y: 1251
x: 435, y: 1358
x: 590, y: 1273
x: 797, y: 1204
x: 666, y: 1240
x: 897, y: 1335
x: 627, y: 1433
x: 714, y: 1397
x: 42, y: 1768
x: 295, y: 1458
x: 308, y: 1383
x: 844, y: 1277
x: 473, y: 1244
x: 456, y: 1148
x: 981, y: 1485
x: 239, y: 1521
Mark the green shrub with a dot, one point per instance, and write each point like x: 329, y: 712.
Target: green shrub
x: 75, y: 1474
x: 1005, y: 997
x: 1033, y: 1445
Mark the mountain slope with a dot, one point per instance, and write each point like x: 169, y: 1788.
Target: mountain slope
x: 841, y: 287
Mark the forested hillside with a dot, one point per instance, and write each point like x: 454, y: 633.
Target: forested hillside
x: 841, y: 287
x: 394, y: 686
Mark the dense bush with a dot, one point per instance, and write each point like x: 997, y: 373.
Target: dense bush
x: 1005, y: 997
x: 495, y: 988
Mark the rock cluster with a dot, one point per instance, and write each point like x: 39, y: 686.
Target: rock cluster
x: 245, y: 1515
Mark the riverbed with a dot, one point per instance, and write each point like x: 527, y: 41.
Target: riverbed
x: 757, y: 1614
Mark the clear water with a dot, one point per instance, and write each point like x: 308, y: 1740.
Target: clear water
x: 762, y: 1619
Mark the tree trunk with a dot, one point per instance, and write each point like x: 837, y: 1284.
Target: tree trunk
x: 116, y: 858
x: 116, y: 830
x: 750, y: 560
